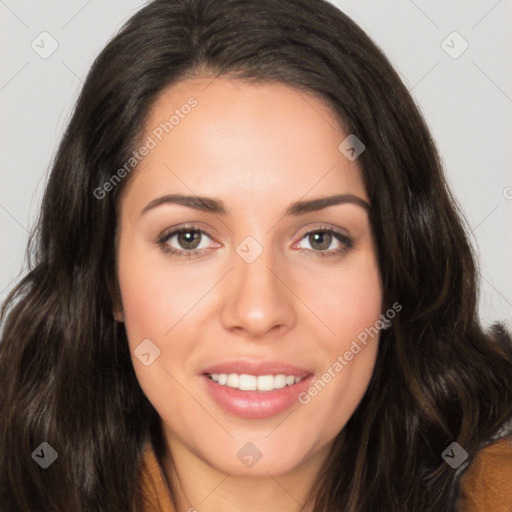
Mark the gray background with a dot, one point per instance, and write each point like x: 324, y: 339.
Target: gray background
x: 466, y: 101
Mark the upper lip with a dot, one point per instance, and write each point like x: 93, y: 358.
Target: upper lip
x: 256, y: 368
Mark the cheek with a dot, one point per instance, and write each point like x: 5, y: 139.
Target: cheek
x: 348, y: 299
x: 154, y: 296
x: 154, y: 301
x: 334, y: 397
x: 351, y: 305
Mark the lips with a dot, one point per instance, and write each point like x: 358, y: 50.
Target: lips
x: 256, y: 368
x: 252, y: 404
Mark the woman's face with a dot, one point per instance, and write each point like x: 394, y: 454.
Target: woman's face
x: 260, y: 297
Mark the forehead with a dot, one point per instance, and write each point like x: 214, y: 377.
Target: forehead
x: 230, y: 137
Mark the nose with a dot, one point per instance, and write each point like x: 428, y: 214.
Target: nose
x: 258, y: 299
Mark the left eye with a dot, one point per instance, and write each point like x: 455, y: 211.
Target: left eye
x: 323, y: 239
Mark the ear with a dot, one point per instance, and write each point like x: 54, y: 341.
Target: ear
x: 118, y: 314
x: 117, y: 306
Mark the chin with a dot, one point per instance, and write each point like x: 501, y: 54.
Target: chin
x: 256, y: 459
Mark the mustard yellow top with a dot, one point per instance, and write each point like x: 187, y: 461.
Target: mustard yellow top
x: 487, y: 483
x: 155, y: 493
x: 485, y: 486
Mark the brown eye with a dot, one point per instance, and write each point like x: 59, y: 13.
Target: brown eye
x: 183, y: 242
x: 188, y: 239
x: 321, y: 239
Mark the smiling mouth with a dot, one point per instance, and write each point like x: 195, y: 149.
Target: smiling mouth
x: 261, y: 383
x: 272, y: 391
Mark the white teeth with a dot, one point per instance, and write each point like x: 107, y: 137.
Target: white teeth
x: 232, y: 380
x: 280, y: 381
x: 265, y: 383
x: 247, y: 382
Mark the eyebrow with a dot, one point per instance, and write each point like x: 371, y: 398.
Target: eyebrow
x: 211, y: 205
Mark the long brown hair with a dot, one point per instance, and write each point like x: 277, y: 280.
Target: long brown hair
x: 66, y: 376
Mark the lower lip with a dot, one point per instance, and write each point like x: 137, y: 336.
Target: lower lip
x: 255, y: 404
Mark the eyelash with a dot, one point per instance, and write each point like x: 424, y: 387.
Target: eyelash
x: 164, y: 238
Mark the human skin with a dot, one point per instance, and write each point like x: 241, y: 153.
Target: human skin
x: 258, y: 148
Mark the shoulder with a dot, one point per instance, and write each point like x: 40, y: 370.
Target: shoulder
x: 152, y: 484
x: 486, y: 485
